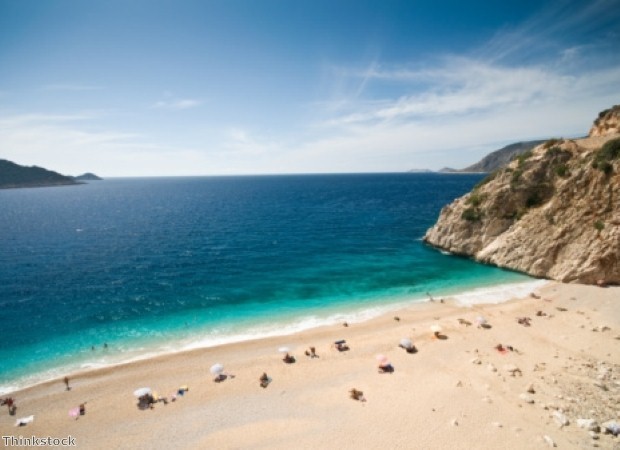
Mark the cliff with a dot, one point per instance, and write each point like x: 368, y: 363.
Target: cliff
x: 14, y: 176
x: 553, y: 212
x: 500, y: 158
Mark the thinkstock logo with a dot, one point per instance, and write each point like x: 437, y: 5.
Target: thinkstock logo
x: 34, y: 441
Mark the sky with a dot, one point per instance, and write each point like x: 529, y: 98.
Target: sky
x: 187, y: 87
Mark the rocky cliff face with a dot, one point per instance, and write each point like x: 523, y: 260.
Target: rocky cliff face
x: 607, y: 123
x: 553, y: 212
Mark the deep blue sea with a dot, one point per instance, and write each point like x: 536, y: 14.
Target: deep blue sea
x: 158, y: 265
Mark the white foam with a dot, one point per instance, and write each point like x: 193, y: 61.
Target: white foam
x: 497, y: 294
x: 491, y: 295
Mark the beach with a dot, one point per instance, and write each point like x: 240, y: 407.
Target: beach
x: 457, y: 392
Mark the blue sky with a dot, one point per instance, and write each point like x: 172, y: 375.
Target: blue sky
x: 149, y: 88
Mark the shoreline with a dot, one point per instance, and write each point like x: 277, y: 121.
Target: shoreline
x: 439, y: 397
x: 491, y: 294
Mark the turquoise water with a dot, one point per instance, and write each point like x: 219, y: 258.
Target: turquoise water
x: 159, y: 265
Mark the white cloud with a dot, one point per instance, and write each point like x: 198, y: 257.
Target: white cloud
x: 177, y: 104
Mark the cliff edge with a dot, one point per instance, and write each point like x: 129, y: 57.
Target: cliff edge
x: 553, y: 212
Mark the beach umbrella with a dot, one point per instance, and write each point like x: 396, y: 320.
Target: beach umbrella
x: 284, y: 350
x: 142, y: 391
x: 217, y: 369
x: 481, y: 320
x: 24, y: 421
x: 435, y: 328
x: 382, y: 359
x: 406, y: 343
x: 74, y: 412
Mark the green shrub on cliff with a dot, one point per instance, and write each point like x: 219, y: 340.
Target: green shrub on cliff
x: 605, y: 155
x: 471, y: 215
x: 552, y: 142
x: 562, y: 170
x: 475, y: 199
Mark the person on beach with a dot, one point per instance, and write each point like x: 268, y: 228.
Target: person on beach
x: 67, y: 383
x: 10, y: 404
x: 312, y: 353
x: 341, y: 345
x: 82, y: 408
x: 357, y: 395
x: 264, y: 380
x: 288, y: 359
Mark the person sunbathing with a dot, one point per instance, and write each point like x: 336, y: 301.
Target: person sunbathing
x: 288, y: 359
x: 264, y: 380
x: 357, y: 395
x: 525, y: 321
x: 312, y: 353
x: 341, y: 345
x: 386, y: 368
x: 409, y: 349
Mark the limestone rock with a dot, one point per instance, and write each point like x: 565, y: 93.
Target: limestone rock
x: 549, y: 441
x: 549, y: 213
x: 588, y: 424
x: 560, y: 418
x: 526, y: 398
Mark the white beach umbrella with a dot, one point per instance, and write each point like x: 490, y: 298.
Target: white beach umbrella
x: 217, y: 369
x: 406, y: 343
x: 435, y: 328
x: 24, y: 421
x: 481, y: 320
x: 142, y: 391
x: 284, y: 350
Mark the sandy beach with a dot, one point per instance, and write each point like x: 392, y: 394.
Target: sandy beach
x: 459, y: 392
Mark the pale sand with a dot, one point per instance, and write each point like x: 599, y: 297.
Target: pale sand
x: 436, y: 399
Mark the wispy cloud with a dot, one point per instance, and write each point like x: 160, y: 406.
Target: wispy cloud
x: 176, y: 104
x: 461, y: 86
x: 547, y: 30
x: 71, y: 87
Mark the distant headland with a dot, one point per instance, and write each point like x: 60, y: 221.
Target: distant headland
x: 15, y: 176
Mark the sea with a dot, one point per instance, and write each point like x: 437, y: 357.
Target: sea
x: 123, y: 269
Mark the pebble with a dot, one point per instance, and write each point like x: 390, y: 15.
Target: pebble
x: 589, y: 424
x: 598, y: 384
x: 497, y: 424
x: 594, y: 435
x: 487, y: 400
x: 611, y: 427
x: 549, y: 441
x: 530, y: 388
x: 560, y: 418
x: 491, y: 367
x: 454, y: 423
x: 512, y: 370
x: 476, y: 361
x: 526, y: 398
x: 459, y: 384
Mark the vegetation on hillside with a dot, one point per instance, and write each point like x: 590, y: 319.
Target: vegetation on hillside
x: 13, y: 175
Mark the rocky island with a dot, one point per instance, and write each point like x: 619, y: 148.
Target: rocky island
x: 552, y: 212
